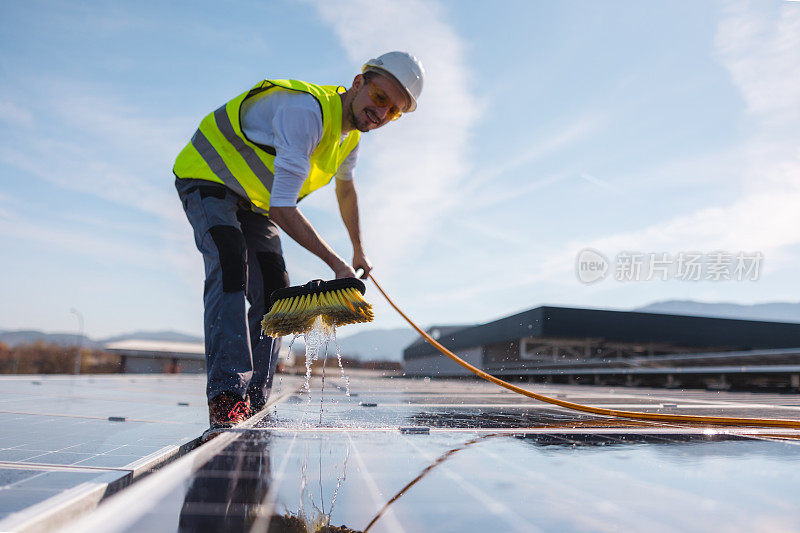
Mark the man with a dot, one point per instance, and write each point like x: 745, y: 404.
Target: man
x: 240, y: 178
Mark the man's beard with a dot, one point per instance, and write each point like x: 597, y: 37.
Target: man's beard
x: 360, y: 126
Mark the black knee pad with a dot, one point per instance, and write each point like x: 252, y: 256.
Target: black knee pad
x: 232, y: 259
x: 212, y: 191
x: 273, y: 272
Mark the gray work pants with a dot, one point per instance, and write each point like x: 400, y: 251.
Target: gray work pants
x: 243, y: 259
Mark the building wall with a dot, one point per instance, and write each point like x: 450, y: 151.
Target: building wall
x: 150, y: 365
x: 533, y: 352
x: 441, y: 365
x: 502, y: 354
x: 189, y: 366
x: 143, y: 365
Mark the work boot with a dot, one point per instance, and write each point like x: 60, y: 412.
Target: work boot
x: 257, y: 401
x: 227, y: 409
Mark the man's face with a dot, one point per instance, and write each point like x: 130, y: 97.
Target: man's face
x: 368, y: 113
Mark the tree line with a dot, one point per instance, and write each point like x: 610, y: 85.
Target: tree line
x: 41, y: 357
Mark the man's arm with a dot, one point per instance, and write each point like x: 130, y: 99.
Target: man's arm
x: 296, y: 128
x: 297, y: 226
x: 348, y: 207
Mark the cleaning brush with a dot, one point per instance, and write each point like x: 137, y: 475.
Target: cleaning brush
x: 293, y: 310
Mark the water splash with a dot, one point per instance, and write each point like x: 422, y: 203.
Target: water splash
x: 339, y: 481
x: 314, y: 518
x: 322, y: 387
x: 316, y: 338
x: 341, y: 367
x: 291, y: 343
x: 317, y: 341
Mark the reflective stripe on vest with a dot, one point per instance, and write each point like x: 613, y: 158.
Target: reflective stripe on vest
x: 220, y: 151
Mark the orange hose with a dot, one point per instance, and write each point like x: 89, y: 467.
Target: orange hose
x: 685, y: 419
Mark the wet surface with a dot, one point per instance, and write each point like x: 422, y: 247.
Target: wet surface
x: 57, y: 434
x: 489, y: 460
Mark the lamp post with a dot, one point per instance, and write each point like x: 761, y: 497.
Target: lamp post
x: 79, y: 340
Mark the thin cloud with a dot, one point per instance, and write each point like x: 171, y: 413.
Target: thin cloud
x: 16, y: 115
x: 597, y: 181
x: 761, y: 52
x: 413, y: 170
x: 499, y: 195
x: 542, y: 146
x: 114, y: 151
x: 757, y: 48
x: 103, y: 249
x: 117, y: 153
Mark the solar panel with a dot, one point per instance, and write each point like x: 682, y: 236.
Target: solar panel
x: 60, y: 446
x: 415, y: 455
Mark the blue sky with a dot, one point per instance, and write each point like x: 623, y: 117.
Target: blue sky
x: 544, y: 128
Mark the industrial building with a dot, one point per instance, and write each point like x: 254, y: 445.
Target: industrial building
x: 558, y: 344
x: 146, y: 357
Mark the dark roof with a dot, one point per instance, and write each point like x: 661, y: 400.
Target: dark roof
x: 621, y: 326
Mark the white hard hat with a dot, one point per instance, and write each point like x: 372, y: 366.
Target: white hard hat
x: 405, y: 68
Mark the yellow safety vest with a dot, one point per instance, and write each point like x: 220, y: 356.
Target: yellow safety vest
x: 220, y: 151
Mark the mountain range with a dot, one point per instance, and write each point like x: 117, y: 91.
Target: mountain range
x: 774, y: 311
x: 15, y: 337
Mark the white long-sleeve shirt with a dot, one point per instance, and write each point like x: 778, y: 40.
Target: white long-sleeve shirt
x: 291, y: 122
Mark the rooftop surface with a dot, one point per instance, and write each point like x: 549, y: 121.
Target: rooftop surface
x: 67, y: 441
x: 157, y: 346
x: 429, y: 455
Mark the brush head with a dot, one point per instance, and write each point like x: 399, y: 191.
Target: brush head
x: 316, y: 286
x: 293, y: 310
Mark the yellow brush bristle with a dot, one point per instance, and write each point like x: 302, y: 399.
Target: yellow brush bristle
x: 296, y: 315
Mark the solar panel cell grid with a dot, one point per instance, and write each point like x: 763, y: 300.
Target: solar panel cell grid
x: 481, y: 464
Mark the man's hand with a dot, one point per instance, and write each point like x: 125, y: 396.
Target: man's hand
x: 344, y: 271
x: 361, y: 261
